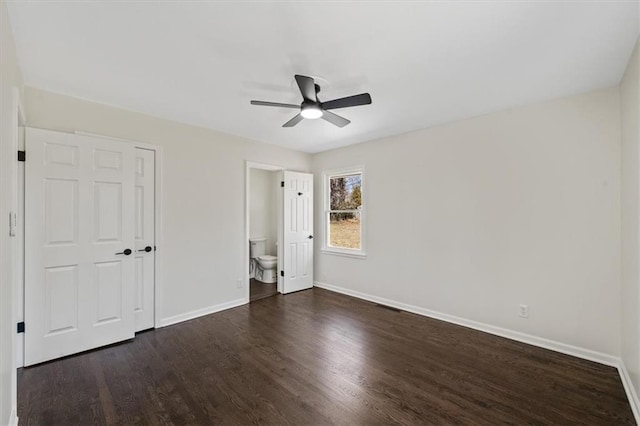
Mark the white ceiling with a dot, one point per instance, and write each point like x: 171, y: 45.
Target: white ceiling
x: 424, y: 63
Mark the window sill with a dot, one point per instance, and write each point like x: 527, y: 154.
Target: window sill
x: 333, y: 252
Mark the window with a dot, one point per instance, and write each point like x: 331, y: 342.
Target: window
x: 344, y: 212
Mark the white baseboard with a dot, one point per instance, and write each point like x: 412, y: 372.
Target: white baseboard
x: 201, y: 312
x: 13, y: 419
x: 630, y: 390
x: 587, y: 354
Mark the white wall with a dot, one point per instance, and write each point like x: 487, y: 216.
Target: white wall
x: 10, y: 80
x: 630, y: 131
x: 10, y: 72
x: 473, y: 218
x: 262, y: 202
x: 203, y: 194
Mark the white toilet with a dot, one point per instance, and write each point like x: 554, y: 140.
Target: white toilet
x: 264, y: 265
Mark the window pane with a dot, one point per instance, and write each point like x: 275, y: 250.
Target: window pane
x: 344, y: 230
x: 345, y: 192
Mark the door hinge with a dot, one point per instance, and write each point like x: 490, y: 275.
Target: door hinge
x: 282, y: 273
x: 22, y: 155
x: 281, y: 184
x: 21, y: 327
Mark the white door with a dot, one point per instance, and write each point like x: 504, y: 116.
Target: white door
x: 145, y: 254
x: 79, y: 211
x: 298, y: 231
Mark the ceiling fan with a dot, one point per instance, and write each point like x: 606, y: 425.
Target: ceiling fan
x: 312, y: 108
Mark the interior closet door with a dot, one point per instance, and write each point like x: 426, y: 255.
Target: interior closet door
x: 145, y: 254
x: 298, y: 231
x: 79, y: 237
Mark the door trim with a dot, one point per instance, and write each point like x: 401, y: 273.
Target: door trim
x: 12, y: 117
x: 248, y: 166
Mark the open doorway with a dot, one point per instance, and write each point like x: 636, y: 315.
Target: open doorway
x: 263, y: 201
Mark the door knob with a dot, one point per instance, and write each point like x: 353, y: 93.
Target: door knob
x: 147, y: 249
x: 310, y: 237
x: 126, y: 252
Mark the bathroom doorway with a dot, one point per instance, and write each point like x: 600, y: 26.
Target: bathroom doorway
x: 263, y: 214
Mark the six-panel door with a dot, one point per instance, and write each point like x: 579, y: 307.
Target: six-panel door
x: 298, y: 231
x: 79, y: 209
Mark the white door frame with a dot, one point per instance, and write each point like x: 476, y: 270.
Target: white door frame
x: 19, y: 289
x: 247, y: 187
x: 14, y: 114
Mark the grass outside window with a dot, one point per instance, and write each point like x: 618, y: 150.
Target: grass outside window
x: 344, y: 212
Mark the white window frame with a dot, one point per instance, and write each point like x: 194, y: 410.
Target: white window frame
x: 326, y: 248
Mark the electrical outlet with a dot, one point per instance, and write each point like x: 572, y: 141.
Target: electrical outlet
x: 524, y: 311
x: 239, y: 283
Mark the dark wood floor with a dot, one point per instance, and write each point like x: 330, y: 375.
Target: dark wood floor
x: 317, y: 357
x: 260, y: 290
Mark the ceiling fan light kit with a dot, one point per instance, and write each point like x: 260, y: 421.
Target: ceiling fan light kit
x: 311, y: 107
x: 311, y: 112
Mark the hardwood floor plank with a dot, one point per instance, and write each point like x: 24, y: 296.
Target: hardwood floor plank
x: 317, y: 357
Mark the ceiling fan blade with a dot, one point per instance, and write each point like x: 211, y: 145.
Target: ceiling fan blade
x: 349, y: 101
x: 307, y: 87
x: 295, y: 120
x: 274, y: 104
x: 335, y: 119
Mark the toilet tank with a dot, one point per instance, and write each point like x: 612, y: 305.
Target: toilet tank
x: 257, y: 247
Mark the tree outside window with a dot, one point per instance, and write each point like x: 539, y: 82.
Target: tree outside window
x: 344, y: 215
